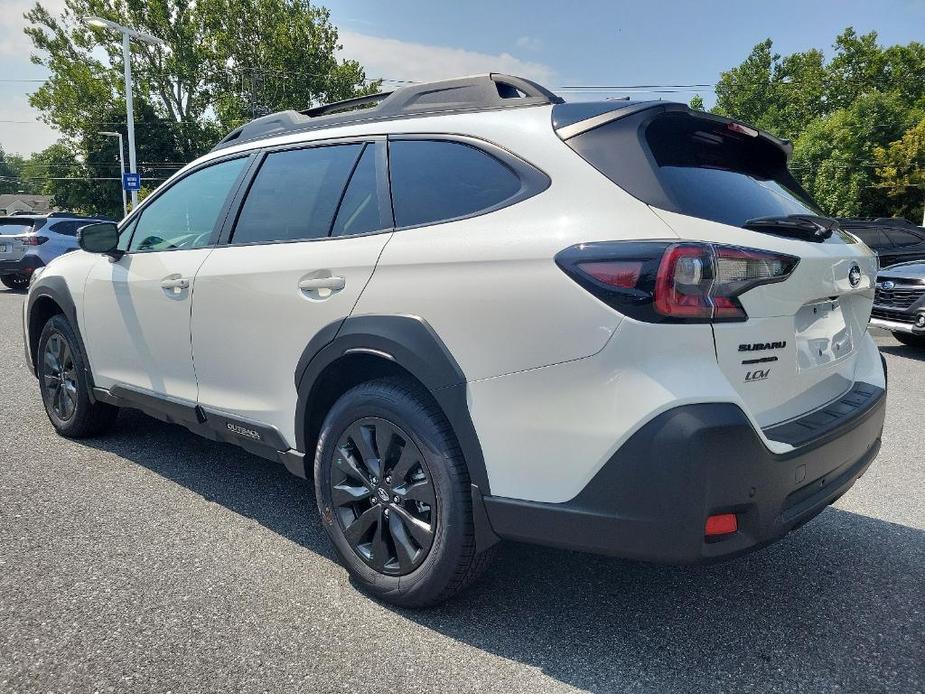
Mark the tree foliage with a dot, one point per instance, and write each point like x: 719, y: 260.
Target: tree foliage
x: 225, y: 61
x: 840, y: 115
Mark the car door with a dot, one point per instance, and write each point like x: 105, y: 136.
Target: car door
x: 136, y: 310
x: 304, y: 244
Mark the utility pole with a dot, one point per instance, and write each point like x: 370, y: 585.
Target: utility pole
x: 127, y: 35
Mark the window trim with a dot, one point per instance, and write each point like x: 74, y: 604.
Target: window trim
x: 533, y: 180
x: 132, y: 219
x: 379, y: 141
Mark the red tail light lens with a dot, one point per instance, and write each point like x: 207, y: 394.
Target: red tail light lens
x: 32, y: 240
x: 674, y: 282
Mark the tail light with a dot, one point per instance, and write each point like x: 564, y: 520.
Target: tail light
x: 32, y: 240
x: 673, y: 282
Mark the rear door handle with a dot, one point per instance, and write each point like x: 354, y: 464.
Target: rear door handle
x: 335, y: 283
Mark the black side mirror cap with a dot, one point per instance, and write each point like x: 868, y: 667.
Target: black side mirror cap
x: 102, y: 237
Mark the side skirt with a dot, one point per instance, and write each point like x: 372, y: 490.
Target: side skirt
x: 260, y: 439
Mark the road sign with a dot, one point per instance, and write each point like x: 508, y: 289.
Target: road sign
x: 131, y: 181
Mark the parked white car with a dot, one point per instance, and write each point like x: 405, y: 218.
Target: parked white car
x: 476, y: 312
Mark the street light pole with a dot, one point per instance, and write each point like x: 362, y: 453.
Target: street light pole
x: 127, y: 35
x: 129, y: 111
x: 107, y: 133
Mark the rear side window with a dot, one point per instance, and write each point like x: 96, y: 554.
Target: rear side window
x: 359, y: 211
x: 696, y: 166
x: 69, y: 228
x: 295, y: 194
x: 435, y: 181
x: 902, y: 237
x: 873, y: 237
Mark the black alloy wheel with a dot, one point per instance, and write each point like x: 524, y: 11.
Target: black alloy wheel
x: 383, y: 496
x: 60, y: 377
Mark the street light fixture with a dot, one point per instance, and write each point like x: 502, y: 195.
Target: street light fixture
x: 108, y: 133
x: 127, y: 35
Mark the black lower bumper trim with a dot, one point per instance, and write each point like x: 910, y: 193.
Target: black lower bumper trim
x: 652, y: 497
x: 24, y: 266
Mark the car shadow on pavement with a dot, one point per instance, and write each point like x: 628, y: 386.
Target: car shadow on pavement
x: 838, y: 605
x: 917, y: 353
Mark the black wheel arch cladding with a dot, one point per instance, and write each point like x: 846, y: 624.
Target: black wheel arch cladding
x: 410, y: 343
x: 55, y: 289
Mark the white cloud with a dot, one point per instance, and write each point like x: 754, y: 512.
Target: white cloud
x: 13, y: 42
x: 403, y: 60
x: 530, y: 43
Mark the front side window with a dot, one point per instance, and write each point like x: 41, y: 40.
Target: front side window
x: 438, y: 180
x: 184, y: 216
x: 295, y: 194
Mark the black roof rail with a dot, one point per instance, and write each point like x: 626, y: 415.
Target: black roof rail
x: 476, y: 93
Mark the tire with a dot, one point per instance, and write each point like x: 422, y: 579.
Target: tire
x: 18, y: 283
x: 64, y: 385
x: 911, y: 340
x: 386, y: 553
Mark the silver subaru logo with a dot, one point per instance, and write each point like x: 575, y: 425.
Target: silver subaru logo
x: 888, y: 285
x: 383, y: 494
x: 854, y: 275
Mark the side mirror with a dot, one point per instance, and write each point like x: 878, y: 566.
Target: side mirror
x: 102, y: 237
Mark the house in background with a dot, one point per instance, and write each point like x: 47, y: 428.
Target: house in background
x: 12, y: 203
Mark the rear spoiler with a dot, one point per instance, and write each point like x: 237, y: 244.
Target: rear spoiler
x: 619, y: 112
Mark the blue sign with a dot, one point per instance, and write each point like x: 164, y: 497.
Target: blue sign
x: 131, y: 181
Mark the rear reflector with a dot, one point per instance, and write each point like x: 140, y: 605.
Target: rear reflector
x: 721, y: 524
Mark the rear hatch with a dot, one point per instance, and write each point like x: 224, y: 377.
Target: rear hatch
x: 790, y: 343
x: 12, y: 231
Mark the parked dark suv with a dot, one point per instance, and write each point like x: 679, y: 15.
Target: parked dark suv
x: 895, y: 240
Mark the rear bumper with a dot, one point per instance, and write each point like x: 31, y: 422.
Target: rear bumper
x: 651, y: 499
x: 24, y: 266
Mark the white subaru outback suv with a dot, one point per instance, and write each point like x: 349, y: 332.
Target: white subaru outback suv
x: 472, y: 311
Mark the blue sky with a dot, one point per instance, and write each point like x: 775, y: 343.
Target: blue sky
x: 560, y: 44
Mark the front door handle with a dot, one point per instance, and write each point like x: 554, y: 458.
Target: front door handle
x: 175, y: 284
x: 335, y: 283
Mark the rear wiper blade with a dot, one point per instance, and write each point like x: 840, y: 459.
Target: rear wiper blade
x: 807, y: 227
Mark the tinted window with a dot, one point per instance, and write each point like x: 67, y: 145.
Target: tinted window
x: 695, y: 166
x: 359, y: 211
x: 184, y: 215
x: 434, y: 181
x: 902, y: 237
x: 875, y: 238
x: 69, y: 228
x: 295, y: 194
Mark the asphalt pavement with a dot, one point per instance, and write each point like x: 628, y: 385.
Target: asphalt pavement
x: 150, y: 560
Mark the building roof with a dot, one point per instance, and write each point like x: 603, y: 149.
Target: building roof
x: 38, y: 203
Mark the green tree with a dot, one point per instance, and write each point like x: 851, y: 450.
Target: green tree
x: 697, y: 103
x: 222, y: 58
x: 780, y: 95
x: 834, y: 158
x: 10, y: 173
x: 901, y: 172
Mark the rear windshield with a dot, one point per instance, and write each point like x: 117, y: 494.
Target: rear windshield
x: 695, y: 166
x: 12, y: 227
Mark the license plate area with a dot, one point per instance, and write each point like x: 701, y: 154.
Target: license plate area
x: 821, y: 334
x: 5, y: 248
